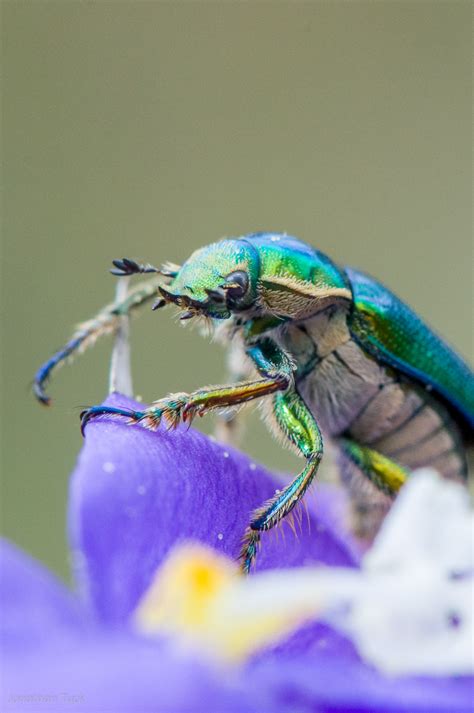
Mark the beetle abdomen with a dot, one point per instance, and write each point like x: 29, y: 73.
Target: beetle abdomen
x: 352, y: 394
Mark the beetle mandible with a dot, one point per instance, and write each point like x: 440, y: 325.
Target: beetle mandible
x: 336, y: 353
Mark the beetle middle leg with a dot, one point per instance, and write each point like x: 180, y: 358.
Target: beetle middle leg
x: 298, y: 424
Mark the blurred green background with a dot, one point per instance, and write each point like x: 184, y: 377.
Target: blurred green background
x: 148, y: 129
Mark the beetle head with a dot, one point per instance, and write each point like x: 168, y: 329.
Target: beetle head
x: 215, y: 281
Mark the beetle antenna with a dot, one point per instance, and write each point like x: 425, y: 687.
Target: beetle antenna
x: 125, y: 267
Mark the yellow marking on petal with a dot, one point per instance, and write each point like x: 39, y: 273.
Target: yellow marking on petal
x: 184, y: 589
x: 199, y: 596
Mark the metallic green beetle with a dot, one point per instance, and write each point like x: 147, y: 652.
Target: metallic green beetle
x: 335, y: 352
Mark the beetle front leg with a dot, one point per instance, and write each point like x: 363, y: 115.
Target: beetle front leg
x: 295, y: 420
x: 183, y: 407
x: 87, y: 333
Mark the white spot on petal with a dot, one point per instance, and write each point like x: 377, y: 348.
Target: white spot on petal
x: 253, y: 466
x: 226, y: 454
x: 220, y: 536
x: 108, y: 467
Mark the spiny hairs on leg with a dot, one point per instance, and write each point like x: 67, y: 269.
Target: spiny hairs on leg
x: 248, y: 552
x: 274, y: 510
x: 171, y: 409
x: 105, y: 322
x: 252, y: 539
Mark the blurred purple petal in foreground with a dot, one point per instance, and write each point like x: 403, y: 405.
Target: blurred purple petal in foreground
x: 134, y: 494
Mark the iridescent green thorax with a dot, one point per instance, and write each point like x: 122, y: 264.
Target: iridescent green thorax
x: 282, y: 256
x: 295, y: 279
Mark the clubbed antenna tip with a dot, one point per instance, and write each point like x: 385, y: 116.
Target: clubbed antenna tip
x: 126, y: 267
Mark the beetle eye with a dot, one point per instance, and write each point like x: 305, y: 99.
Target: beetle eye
x: 237, y: 284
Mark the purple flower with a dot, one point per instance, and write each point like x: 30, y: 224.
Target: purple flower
x: 134, y: 495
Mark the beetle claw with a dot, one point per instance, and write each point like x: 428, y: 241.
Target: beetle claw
x: 94, y: 411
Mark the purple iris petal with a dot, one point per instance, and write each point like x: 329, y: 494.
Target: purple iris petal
x: 330, y: 683
x: 136, y: 493
x: 91, y: 669
x: 35, y: 607
x: 133, y: 495
x: 54, y: 659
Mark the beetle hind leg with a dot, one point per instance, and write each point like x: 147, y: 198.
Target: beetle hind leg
x: 383, y: 472
x: 372, y: 481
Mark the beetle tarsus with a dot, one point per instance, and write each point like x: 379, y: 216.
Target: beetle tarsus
x: 94, y: 411
x: 41, y: 394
